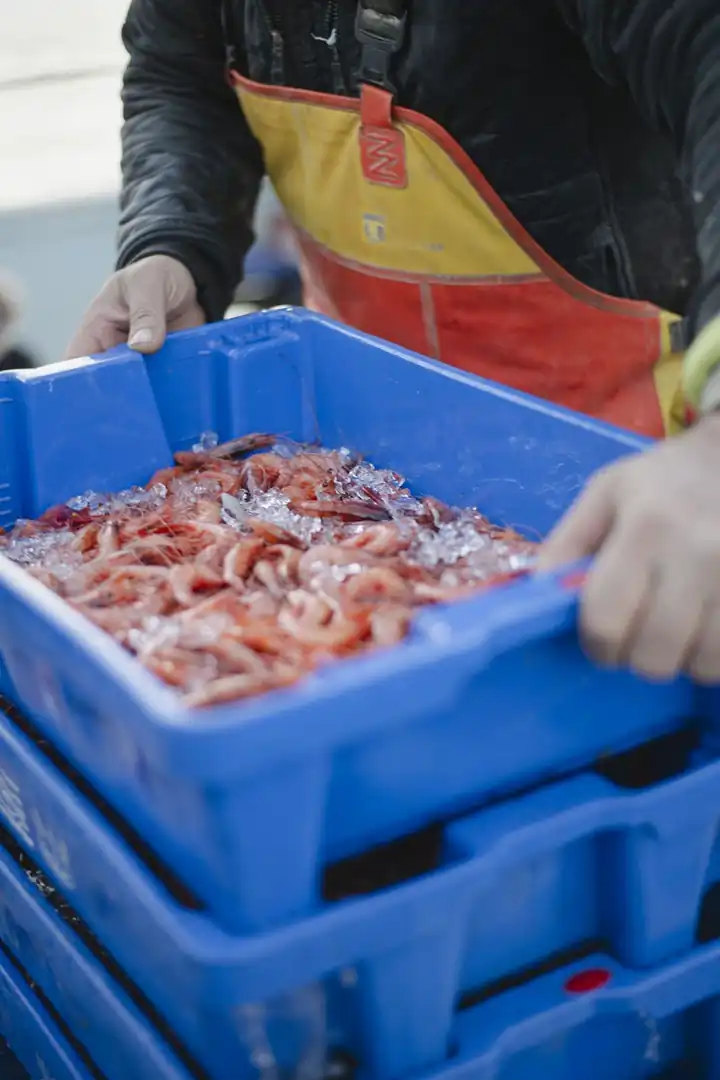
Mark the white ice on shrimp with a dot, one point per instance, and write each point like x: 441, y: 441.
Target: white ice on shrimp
x: 208, y: 440
x: 271, y: 506
x: 483, y: 555
x: 134, y: 497
x: 52, y: 550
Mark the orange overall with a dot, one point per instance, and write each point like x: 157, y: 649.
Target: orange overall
x: 401, y: 235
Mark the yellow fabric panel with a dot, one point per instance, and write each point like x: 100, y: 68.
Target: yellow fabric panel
x: 312, y: 155
x: 668, y: 379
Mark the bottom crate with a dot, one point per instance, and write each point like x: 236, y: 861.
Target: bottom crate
x: 596, y: 1020
x: 40, y: 1049
x: 626, y: 858
x: 107, y: 1021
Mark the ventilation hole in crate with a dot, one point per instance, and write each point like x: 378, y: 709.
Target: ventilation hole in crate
x: 708, y: 924
x: 52, y: 896
x: 654, y: 762
x: 385, y: 866
x: 556, y: 962
x: 69, y: 1036
x: 176, y: 888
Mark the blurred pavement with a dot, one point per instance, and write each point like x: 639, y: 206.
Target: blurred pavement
x: 60, y: 67
x: 60, y: 70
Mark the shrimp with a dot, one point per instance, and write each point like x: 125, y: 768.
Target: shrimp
x: 286, y: 562
x: 186, y: 581
x: 260, y: 473
x: 235, y: 687
x: 85, y: 540
x: 347, y: 510
x: 180, y: 667
x: 389, y: 624
x: 378, y: 540
x: 246, y: 444
x: 240, y: 560
x: 267, y: 575
x: 375, y: 584
x: 314, y: 622
x: 235, y: 657
x: 108, y: 539
x: 274, y: 534
x: 324, y: 556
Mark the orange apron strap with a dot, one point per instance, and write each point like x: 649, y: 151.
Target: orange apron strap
x: 380, y: 31
x: 382, y: 146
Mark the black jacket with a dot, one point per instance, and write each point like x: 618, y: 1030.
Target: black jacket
x: 597, y: 122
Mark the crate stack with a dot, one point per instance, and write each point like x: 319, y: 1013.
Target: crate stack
x: 474, y: 857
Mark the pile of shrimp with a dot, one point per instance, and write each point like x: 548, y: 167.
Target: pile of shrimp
x: 246, y: 566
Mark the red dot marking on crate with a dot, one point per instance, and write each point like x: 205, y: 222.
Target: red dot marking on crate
x: 585, y: 982
x: 576, y: 580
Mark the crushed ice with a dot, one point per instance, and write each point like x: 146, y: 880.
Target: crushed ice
x: 207, y: 441
x: 51, y: 550
x: 270, y: 506
x: 381, y: 481
x: 449, y: 543
x: 482, y: 554
x: 132, y: 498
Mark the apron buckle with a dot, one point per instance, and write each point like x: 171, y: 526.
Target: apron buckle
x: 381, y: 33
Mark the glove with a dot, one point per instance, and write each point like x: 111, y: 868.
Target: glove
x: 140, y: 304
x: 652, y: 598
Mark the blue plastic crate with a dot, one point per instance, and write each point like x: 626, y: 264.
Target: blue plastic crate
x: 101, y: 1017
x: 664, y: 1025
x: 538, y: 875
x: 33, y: 1036
x: 247, y: 801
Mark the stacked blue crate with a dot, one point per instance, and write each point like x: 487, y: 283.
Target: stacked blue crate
x: 248, y: 803
x: 35, y: 1048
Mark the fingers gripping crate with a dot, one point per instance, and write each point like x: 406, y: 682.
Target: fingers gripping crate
x: 483, y: 697
x: 582, y: 861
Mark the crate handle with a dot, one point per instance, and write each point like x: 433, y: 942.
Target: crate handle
x: 578, y: 808
x: 556, y: 1005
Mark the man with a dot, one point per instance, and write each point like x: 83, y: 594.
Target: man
x: 527, y: 189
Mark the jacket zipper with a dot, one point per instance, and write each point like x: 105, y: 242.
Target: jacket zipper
x: 277, y: 63
x: 331, y: 27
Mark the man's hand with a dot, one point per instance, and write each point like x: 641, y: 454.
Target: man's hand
x: 140, y: 305
x: 652, y: 599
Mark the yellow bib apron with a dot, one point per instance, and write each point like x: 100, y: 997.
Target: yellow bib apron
x: 401, y: 236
